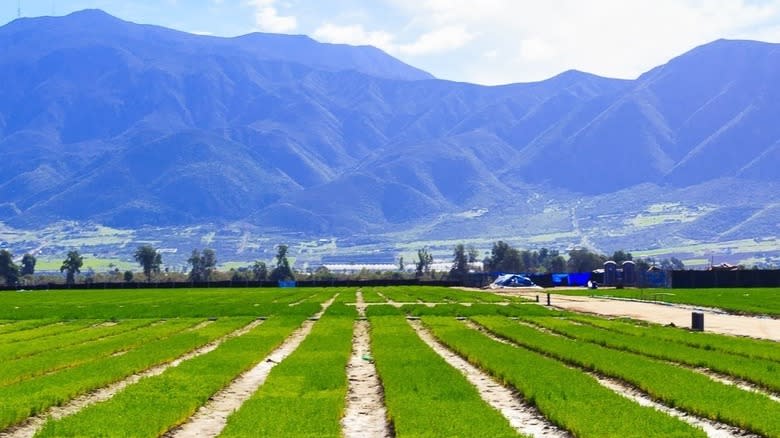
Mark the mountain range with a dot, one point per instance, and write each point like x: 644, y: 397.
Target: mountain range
x: 131, y: 126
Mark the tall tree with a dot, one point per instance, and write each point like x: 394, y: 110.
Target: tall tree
x: 196, y: 273
x: 460, y: 261
x: 473, y: 254
x: 28, y: 265
x: 323, y: 273
x: 556, y: 263
x: 8, y: 269
x: 673, y: 264
x: 424, y: 261
x: 149, y: 259
x: 72, y: 266
x: 504, y: 258
x: 621, y: 256
x: 203, y: 265
x: 208, y: 263
x: 282, y: 271
x: 583, y: 260
x: 259, y: 270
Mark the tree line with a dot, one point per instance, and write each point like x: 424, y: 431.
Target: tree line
x: 504, y: 258
x: 465, y: 259
x: 203, y: 267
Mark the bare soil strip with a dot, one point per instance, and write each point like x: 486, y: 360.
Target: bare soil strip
x: 30, y: 427
x: 366, y: 415
x: 734, y: 381
x: 211, y: 418
x: 523, y: 417
x: 391, y: 302
x: 713, y: 429
x: 201, y: 325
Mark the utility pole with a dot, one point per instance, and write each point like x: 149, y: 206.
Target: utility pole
x: 18, y: 8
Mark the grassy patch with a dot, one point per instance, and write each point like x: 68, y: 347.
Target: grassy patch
x: 757, y: 301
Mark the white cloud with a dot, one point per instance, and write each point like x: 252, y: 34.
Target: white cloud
x: 268, y: 19
x: 538, y: 39
x: 355, y: 35
x: 441, y: 40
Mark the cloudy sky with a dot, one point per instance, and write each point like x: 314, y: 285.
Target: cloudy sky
x: 481, y: 41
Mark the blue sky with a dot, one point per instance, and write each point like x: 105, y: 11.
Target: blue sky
x: 485, y: 41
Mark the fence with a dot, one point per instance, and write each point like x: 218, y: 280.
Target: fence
x: 712, y: 279
x: 237, y: 284
x: 653, y: 279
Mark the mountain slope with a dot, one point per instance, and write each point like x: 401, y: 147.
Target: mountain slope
x: 133, y: 125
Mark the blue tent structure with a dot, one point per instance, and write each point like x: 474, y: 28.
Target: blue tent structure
x: 512, y: 280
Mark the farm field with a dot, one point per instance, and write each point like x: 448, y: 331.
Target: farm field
x: 444, y: 362
x: 751, y: 301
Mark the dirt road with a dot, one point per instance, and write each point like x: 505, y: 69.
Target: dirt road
x: 756, y: 327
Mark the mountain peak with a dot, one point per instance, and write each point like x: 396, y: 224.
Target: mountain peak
x: 92, y: 14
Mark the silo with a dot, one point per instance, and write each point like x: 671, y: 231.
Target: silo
x: 610, y: 273
x: 629, y: 273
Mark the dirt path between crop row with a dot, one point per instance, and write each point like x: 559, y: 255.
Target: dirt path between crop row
x: 739, y: 383
x: 523, y: 417
x: 211, y: 418
x: 32, y: 425
x: 680, y: 316
x: 713, y: 429
x: 366, y: 414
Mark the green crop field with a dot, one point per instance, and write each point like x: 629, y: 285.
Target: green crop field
x: 148, y: 363
x: 753, y: 301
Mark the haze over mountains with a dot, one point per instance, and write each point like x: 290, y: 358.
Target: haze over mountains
x: 133, y: 125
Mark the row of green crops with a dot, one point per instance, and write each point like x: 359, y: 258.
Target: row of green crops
x: 91, y: 333
x: 569, y: 398
x: 32, y: 396
x: 79, y: 341
x: 672, y: 385
x: 424, y: 395
x: 305, y: 394
x: 154, y: 303
x: 476, y: 309
x: 51, y: 329
x: 757, y: 301
x: 71, y: 356
x: 156, y: 404
x: 428, y: 294
x: 747, y: 347
x: 763, y: 372
x: 26, y: 324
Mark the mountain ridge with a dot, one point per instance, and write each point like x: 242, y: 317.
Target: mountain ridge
x: 136, y: 125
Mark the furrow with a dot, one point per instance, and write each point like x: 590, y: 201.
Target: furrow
x: 211, y: 418
x: 366, y: 414
x: 713, y: 429
x: 739, y: 383
x: 522, y: 417
x: 32, y: 425
x: 389, y: 301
